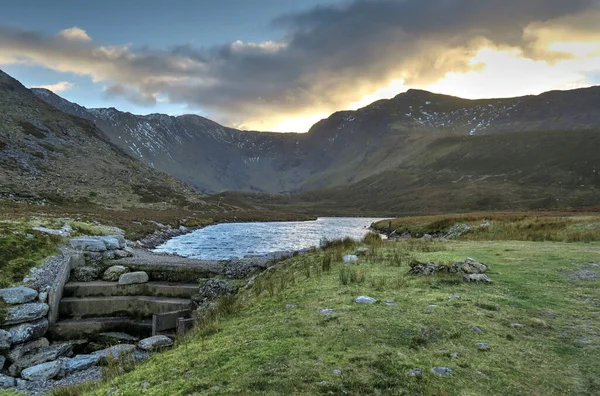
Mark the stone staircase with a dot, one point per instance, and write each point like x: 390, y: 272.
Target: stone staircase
x: 90, y: 308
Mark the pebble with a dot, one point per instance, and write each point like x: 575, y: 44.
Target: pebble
x: 483, y: 346
x: 482, y: 373
x: 327, y: 311
x: 440, y: 370
x: 389, y: 303
x: 416, y: 372
x: 517, y: 325
x: 454, y: 297
x: 477, y: 329
x: 337, y: 371
x: 365, y: 300
x: 290, y: 306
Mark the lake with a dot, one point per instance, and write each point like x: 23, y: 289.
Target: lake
x: 224, y: 241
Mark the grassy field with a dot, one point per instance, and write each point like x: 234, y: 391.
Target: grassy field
x: 541, y: 317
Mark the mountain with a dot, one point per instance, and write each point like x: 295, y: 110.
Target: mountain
x: 347, y: 147
x: 47, y: 155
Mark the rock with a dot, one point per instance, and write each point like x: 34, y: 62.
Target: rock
x: 93, y: 257
x: 416, y: 372
x: 77, y: 363
x: 88, y: 244
x: 145, y: 384
x: 517, y: 325
x: 21, y: 384
x: 122, y: 253
x: 457, y: 230
x: 362, y: 251
x: 327, y: 311
x: 583, y: 342
x: 113, y: 273
x: 454, y: 297
x: 131, y: 278
x: 5, y: 339
x: 477, y: 329
x: 483, y: 346
x: 111, y: 243
x: 108, y: 255
x: 350, y: 258
x: 121, y: 239
x: 477, y: 278
x: 215, y: 288
x: 427, y: 237
x: 28, y: 331
x: 7, y: 382
x: 18, y: 295
x: 25, y: 313
x: 389, y: 303
x: 2, y: 362
x: 115, y: 352
x: 155, y: 342
x: 116, y: 337
x: 85, y: 274
x: 18, y: 351
x: 417, y: 268
x: 42, y: 355
x: 365, y: 300
x: 482, y: 373
x: 440, y: 370
x: 584, y: 274
x: 337, y: 371
x: 42, y: 372
x: 290, y: 306
x: 43, y: 297
x: 471, y: 266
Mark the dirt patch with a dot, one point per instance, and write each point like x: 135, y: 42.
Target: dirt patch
x: 584, y: 274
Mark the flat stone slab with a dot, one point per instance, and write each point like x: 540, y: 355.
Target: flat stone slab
x: 25, y: 313
x: 107, y: 289
x: 28, y: 331
x: 88, y: 244
x: 142, y: 306
x: 78, y: 363
x: 116, y: 337
x: 71, y: 329
x: 42, y: 372
x: 18, y: 295
x: 18, y: 351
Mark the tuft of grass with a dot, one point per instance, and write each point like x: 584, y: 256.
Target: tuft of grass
x: 349, y: 276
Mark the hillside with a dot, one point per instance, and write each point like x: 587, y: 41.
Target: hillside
x: 53, y: 157
x: 346, y: 148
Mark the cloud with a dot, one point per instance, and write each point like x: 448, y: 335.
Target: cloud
x: 58, y: 87
x: 324, y: 59
x: 74, y: 34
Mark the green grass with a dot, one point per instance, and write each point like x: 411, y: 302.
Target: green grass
x: 21, y: 249
x: 254, y: 344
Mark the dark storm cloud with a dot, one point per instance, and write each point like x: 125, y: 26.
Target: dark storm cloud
x: 324, y: 57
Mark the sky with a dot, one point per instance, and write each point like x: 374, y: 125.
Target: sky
x: 282, y: 65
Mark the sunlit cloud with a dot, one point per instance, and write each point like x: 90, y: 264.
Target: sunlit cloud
x: 58, y: 87
x: 75, y: 34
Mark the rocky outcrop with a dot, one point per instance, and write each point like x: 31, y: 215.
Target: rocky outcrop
x: 473, y: 270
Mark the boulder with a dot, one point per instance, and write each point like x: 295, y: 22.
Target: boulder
x: 7, y: 382
x: 18, y: 295
x: 88, y: 244
x: 350, y: 258
x: 85, y: 274
x: 417, y: 268
x: 362, y: 251
x: 18, y: 351
x: 471, y: 266
x: 115, y: 352
x: 113, y: 273
x: 440, y: 370
x: 28, y: 331
x: 25, y: 313
x: 5, y: 339
x: 365, y: 300
x: 477, y: 278
x: 155, y: 342
x: 78, y: 363
x: 131, y: 278
x: 42, y: 355
x: 42, y: 372
x: 111, y: 242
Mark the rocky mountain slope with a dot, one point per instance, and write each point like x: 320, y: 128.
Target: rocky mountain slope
x: 347, y: 147
x: 50, y: 156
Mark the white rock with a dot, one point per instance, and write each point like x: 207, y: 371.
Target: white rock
x: 113, y: 273
x: 477, y: 278
x: 350, y: 258
x: 155, y: 342
x: 43, y: 297
x: 18, y: 295
x: 25, y: 313
x: 111, y: 243
x: 133, y: 277
x: 42, y: 372
x: 365, y: 300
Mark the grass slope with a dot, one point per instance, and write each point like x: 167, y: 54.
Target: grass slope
x: 258, y: 345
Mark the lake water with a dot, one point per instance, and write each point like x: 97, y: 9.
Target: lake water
x: 223, y: 241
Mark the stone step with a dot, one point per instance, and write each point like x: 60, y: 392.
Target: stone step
x: 108, y: 289
x: 132, y: 306
x: 71, y: 329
